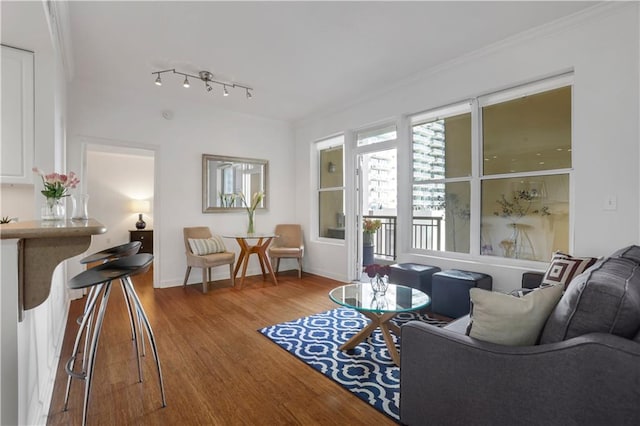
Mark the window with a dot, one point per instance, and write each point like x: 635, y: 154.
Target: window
x: 331, y: 188
x: 523, y: 153
x: 441, y: 179
x: 526, y: 143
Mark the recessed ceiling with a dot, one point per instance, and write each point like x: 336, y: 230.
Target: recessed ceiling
x: 300, y: 57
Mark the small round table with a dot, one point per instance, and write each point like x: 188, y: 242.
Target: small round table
x: 380, y: 308
x: 259, y: 248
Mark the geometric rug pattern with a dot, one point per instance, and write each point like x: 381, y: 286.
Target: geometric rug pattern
x: 367, y: 370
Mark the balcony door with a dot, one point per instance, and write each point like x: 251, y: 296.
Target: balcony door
x: 377, y: 195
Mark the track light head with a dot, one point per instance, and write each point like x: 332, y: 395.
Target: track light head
x: 158, y: 80
x: 186, y: 82
x: 249, y: 95
x: 209, y: 88
x: 225, y: 92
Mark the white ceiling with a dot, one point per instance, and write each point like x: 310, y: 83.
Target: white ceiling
x: 300, y: 57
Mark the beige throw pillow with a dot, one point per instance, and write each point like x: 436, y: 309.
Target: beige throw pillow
x: 204, y: 246
x: 508, y: 320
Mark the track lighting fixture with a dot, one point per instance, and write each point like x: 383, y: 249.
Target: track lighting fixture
x: 208, y: 78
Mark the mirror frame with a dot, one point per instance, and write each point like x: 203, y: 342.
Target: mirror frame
x: 206, y: 158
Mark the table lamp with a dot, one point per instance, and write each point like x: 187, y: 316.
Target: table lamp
x: 140, y: 207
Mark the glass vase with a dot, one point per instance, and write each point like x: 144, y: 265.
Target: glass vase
x: 53, y: 209
x: 379, y: 284
x: 80, y: 207
x: 250, y: 227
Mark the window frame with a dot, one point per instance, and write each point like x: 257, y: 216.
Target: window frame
x: 458, y: 108
x: 477, y: 173
x: 331, y: 142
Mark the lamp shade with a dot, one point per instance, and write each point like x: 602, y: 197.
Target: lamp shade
x: 140, y: 206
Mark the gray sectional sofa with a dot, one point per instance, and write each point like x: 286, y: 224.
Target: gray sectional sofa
x: 584, y: 371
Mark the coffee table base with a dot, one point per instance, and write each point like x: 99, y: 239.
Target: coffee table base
x: 381, y: 321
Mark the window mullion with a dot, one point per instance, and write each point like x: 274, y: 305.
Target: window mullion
x: 476, y: 170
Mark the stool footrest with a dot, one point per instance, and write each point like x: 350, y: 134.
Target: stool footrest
x: 69, y: 369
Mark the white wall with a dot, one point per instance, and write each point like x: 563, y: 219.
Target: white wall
x: 108, y: 116
x: 602, y: 49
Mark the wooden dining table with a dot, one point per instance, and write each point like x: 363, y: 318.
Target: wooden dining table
x: 256, y: 243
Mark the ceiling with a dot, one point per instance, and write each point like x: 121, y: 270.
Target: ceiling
x: 301, y: 58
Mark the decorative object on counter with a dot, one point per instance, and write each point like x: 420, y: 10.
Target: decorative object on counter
x: 56, y: 187
x: 80, y: 204
x: 379, y: 276
x: 7, y: 219
x: 140, y: 207
x: 256, y: 199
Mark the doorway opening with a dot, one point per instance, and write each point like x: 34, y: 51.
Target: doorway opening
x: 120, y: 183
x: 378, y: 211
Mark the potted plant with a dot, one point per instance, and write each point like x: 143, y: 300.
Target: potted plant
x: 369, y: 228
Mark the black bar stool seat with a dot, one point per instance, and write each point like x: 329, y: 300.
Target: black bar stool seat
x: 113, y: 253
x: 100, y: 277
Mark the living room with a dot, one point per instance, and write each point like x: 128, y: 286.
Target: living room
x: 598, y: 45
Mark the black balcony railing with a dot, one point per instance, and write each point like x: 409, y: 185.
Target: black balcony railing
x: 425, y: 234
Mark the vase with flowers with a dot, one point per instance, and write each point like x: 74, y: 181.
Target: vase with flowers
x: 378, y: 276
x: 256, y: 200
x: 56, y: 187
x: 369, y: 228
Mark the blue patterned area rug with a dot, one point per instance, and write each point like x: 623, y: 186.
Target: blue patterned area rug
x: 367, y: 370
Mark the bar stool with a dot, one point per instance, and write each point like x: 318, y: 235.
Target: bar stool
x: 103, y: 256
x: 101, y: 277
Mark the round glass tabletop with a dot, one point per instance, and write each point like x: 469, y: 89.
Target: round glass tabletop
x: 397, y: 298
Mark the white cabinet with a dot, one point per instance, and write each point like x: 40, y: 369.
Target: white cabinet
x: 16, y: 149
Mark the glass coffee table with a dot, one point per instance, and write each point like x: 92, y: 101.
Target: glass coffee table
x: 380, y: 308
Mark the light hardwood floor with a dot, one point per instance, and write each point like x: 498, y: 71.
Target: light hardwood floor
x: 218, y: 370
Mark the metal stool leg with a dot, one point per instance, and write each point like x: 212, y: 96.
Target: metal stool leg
x: 92, y: 350
x: 152, y: 340
x: 85, y: 326
x: 133, y: 326
x: 129, y: 311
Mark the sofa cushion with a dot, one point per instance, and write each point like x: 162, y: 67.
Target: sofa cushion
x: 631, y: 253
x: 564, y: 267
x: 204, y: 246
x: 508, y: 320
x: 604, y: 299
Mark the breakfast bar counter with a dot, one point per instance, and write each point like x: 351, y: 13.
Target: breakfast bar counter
x: 42, y: 245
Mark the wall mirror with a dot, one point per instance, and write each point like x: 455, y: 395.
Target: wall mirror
x: 224, y: 178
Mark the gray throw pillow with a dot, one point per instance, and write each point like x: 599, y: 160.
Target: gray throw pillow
x: 604, y: 299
